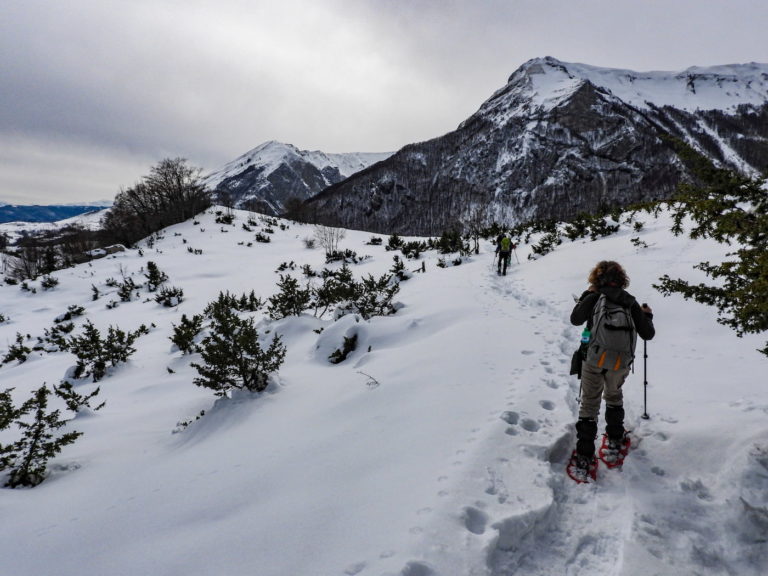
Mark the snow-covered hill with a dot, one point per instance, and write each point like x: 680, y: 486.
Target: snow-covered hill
x: 437, y: 448
x: 50, y: 213
x: 274, y: 173
x: 560, y: 139
x: 14, y: 230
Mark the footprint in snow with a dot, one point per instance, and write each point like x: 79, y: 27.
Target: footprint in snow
x: 355, y: 568
x: 510, y: 417
x: 552, y: 384
x: 530, y: 425
x: 417, y: 569
x: 474, y: 520
x: 547, y: 405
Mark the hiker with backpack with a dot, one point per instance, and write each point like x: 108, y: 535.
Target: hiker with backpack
x: 614, y: 320
x: 504, y: 247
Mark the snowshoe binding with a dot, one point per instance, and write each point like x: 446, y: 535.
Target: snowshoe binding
x: 582, y: 469
x: 612, y: 452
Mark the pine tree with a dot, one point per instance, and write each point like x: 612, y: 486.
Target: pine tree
x: 374, y: 296
x: 76, y: 402
x: 733, y: 210
x: 234, y: 357
x: 18, y: 351
x: 184, y: 334
x: 94, y: 354
x: 290, y: 301
x: 28, y: 457
x: 155, y: 277
x: 337, y: 286
x: 8, y: 413
x: 170, y: 296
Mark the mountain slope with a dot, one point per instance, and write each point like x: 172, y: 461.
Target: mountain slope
x: 557, y: 140
x: 273, y: 174
x: 436, y: 448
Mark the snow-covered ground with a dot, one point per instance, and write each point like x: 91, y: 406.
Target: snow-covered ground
x: 453, y: 464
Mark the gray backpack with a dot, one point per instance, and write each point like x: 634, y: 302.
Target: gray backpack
x: 612, y: 343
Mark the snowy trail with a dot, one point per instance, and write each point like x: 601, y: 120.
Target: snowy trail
x: 654, y: 516
x: 553, y: 538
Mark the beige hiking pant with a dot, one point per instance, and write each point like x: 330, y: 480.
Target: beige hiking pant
x: 597, y: 383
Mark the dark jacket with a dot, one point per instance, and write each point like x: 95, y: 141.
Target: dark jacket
x: 582, y: 312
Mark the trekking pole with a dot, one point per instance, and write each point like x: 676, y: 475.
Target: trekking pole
x: 516, y: 258
x: 645, y: 381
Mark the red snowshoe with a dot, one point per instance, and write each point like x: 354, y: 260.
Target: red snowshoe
x: 581, y: 469
x: 612, y: 453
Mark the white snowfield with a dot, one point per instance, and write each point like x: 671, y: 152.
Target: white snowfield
x: 437, y: 448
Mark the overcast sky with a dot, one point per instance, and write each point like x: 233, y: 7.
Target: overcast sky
x: 94, y: 92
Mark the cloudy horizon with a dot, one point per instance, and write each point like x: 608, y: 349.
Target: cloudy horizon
x: 96, y: 92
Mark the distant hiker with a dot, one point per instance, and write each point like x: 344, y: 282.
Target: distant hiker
x: 504, y: 247
x: 614, y: 320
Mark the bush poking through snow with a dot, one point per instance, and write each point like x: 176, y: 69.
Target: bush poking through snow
x: 170, y: 296
x: 244, y: 303
x: 125, y: 290
x: 55, y: 339
x: 336, y: 286
x: 372, y: 297
x: 398, y: 269
x: 7, y: 411
x: 76, y: 402
x: 155, y: 277
x: 186, y: 331
x: 17, y: 351
x: 72, y: 312
x: 349, y: 346
x: 290, y: 301
x: 48, y: 282
x: 233, y: 357
x: 95, y: 354
x: 27, y: 458
x: 394, y: 242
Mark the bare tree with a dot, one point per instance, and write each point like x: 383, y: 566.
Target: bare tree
x: 472, y: 223
x: 172, y: 192
x: 329, y: 238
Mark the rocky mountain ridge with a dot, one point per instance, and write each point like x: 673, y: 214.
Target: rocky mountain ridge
x: 272, y: 175
x: 559, y: 139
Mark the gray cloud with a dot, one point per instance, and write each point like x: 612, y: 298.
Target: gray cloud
x: 96, y: 91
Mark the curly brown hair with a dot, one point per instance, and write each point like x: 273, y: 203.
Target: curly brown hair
x: 608, y: 273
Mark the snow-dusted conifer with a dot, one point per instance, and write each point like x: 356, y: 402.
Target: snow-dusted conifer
x: 94, y: 354
x: 290, y: 301
x: 155, y: 277
x: 185, y: 332
x: 28, y: 457
x: 233, y: 356
x: 17, y: 351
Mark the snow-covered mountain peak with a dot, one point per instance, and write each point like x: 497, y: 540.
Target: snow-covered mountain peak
x: 269, y: 156
x: 274, y: 173
x: 721, y: 87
